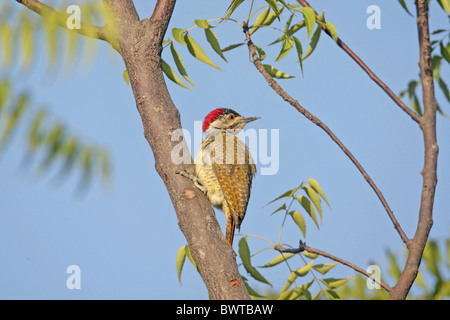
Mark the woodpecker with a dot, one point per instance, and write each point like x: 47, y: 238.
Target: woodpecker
x: 224, y: 167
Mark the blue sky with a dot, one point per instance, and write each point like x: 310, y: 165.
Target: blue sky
x: 125, y: 237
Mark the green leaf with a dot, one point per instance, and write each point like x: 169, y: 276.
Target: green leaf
x: 403, y: 4
x: 260, y: 19
x: 307, y: 205
x: 299, y: 221
x: 252, y: 292
x: 314, y: 197
x: 179, y: 63
x: 4, y: 93
x: 35, y: 137
x: 316, y: 186
x: 6, y: 35
x: 244, y: 254
x: 310, y: 19
x: 413, y: 100
x: 171, y: 75
x: 212, y: 39
x: 333, y: 283
x: 188, y: 254
x: 332, y: 29
x: 301, y: 272
x: 283, y: 207
x: 445, y: 4
x: 126, y: 78
x: 202, y: 23
x: 274, y: 6
x: 261, y: 53
x: 310, y: 255
x: 394, y: 268
x: 278, y: 259
x: 178, y: 35
x: 284, y: 295
x: 233, y: 6
x: 232, y: 46
x: 293, y: 29
x: 314, y: 40
x: 445, y: 52
x: 432, y: 257
x: 287, y: 45
x: 13, y: 119
x: 324, y: 268
x: 298, y: 47
x: 287, y: 194
x: 275, y: 73
x: 197, y: 51
x: 27, y: 38
x: 105, y: 166
x: 181, y: 257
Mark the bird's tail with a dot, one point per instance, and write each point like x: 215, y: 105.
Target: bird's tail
x: 231, y: 226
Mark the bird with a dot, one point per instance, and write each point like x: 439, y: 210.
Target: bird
x: 224, y: 167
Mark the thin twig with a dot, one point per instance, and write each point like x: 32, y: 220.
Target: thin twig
x: 303, y: 247
x: 371, y: 74
x: 286, y: 97
x: 60, y: 19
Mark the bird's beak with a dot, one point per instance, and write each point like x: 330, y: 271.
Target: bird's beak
x: 249, y: 119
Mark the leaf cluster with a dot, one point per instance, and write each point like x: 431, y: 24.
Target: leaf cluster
x: 440, y: 57
x: 21, y: 44
x: 263, y: 17
x: 51, y: 140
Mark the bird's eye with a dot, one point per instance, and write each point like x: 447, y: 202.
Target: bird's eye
x: 231, y: 117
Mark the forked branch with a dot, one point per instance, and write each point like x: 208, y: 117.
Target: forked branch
x: 286, y: 97
x: 303, y: 247
x: 86, y: 29
x: 369, y: 72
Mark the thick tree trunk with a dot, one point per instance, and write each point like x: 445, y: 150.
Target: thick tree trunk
x: 140, y: 45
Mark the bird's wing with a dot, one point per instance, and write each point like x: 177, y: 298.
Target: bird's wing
x: 235, y: 179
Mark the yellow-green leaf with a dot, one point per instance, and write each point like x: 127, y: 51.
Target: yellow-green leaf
x: 314, y: 197
x: 181, y: 257
x: 278, y: 259
x: 310, y: 255
x: 316, y: 186
x: 212, y: 39
x: 197, y: 51
x: 299, y: 221
x: 259, y: 20
x: 299, y: 48
x: 168, y: 71
x: 178, y: 35
x: 244, y: 254
x: 310, y: 19
x: 286, y: 47
x: 179, y: 63
x: 332, y: 283
x: 324, y: 268
x: 307, y: 205
x: 332, y: 29
x: 126, y: 78
x: 314, y: 40
x: 275, y: 73
x: 202, y: 23
x: 301, y: 272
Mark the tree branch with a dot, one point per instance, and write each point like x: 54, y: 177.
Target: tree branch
x: 371, y: 74
x: 304, y: 247
x: 429, y: 172
x: 60, y: 19
x: 280, y: 91
x: 140, y: 42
